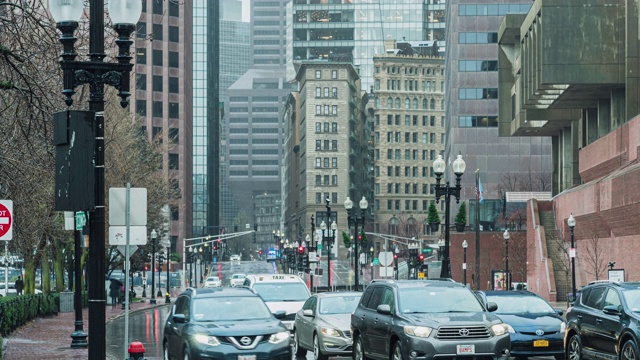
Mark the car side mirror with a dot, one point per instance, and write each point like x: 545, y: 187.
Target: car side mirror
x: 491, y: 306
x: 559, y: 311
x: 280, y: 314
x: 612, y: 310
x: 384, y: 309
x: 179, y: 318
x: 307, y: 312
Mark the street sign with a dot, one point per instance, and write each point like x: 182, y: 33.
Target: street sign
x: 420, y: 275
x: 385, y: 258
x: 123, y: 249
x: 137, y: 235
x: 138, y: 206
x: 376, y: 261
x: 572, y: 252
x: 386, y: 271
x: 6, y: 219
x: 319, y: 246
x: 81, y: 220
x: 313, y: 257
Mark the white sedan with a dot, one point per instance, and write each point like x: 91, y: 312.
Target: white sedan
x: 235, y: 258
x: 212, y: 281
x: 236, y: 280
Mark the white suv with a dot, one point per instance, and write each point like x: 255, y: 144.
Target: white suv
x: 236, y: 280
x: 212, y: 281
x: 280, y: 292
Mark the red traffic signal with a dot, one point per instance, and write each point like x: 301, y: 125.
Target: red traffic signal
x: 395, y: 256
x: 215, y: 247
x: 421, y: 257
x: 300, y: 249
x: 359, y: 237
x: 260, y: 252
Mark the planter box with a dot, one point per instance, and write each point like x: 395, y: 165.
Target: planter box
x: 434, y: 226
x: 460, y: 227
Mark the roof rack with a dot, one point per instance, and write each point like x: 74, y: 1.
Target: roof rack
x: 603, y: 282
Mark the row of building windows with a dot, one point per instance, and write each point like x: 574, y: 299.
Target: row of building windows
x: 477, y: 121
x: 492, y: 9
x: 326, y: 93
x: 254, y: 109
x: 324, y: 180
x: 324, y: 110
x: 320, y: 199
x: 410, y: 85
x: 253, y: 120
x: 157, y: 57
x: 410, y: 120
x: 334, y: 74
x: 254, y: 173
x: 253, y: 162
x: 157, y: 109
x: 396, y: 137
x: 410, y: 104
x: 408, y: 205
x: 324, y: 162
x: 334, y: 145
x: 245, y: 130
x: 478, y: 38
x: 324, y: 127
x: 477, y: 93
x: 477, y: 65
x: 253, y: 141
x: 410, y: 70
x: 409, y: 188
x: 157, y: 32
x: 409, y: 171
x: 157, y: 83
x: 396, y: 154
x: 254, y: 151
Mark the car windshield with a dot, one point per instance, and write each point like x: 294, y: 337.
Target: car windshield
x: 338, y: 305
x: 515, y: 304
x: 293, y: 291
x: 632, y: 297
x: 231, y: 308
x: 238, y: 276
x: 437, y: 300
x: 213, y: 279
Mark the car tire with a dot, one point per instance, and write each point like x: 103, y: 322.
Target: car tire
x: 574, y: 348
x: 358, y: 350
x: 298, y: 350
x: 629, y: 351
x: 317, y: 353
x: 397, y: 351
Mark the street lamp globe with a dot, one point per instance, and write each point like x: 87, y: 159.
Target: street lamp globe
x: 364, y: 204
x: 440, y: 243
x: 154, y: 234
x: 308, y: 238
x: 459, y: 165
x: 124, y: 11
x: 323, y: 226
x: 439, y: 165
x: 334, y: 226
x: 66, y: 10
x: 465, y: 244
x: 506, y: 235
x: 348, y: 204
x: 571, y: 221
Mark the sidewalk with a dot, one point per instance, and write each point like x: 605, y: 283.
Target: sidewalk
x: 50, y: 337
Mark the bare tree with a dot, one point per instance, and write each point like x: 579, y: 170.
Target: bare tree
x: 595, y: 256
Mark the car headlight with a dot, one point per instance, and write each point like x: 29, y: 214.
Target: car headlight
x: 510, y: 329
x: 279, y: 337
x: 330, y: 332
x: 419, y: 331
x: 563, y: 326
x: 206, y: 339
x: 500, y: 329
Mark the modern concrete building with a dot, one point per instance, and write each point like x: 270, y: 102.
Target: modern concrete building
x: 162, y: 98
x: 354, y: 31
x: 329, y: 151
x: 408, y: 112
x: 580, y: 89
x: 471, y: 106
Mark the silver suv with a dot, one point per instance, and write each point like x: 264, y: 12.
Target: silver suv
x: 415, y: 319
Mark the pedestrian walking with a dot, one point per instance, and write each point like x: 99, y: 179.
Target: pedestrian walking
x: 114, y: 293
x: 19, y: 285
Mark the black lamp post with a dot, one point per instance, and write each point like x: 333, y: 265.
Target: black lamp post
x: 328, y: 239
x: 356, y: 220
x: 447, y: 191
x: 166, y: 243
x: 79, y: 337
x: 154, y: 238
x: 95, y: 72
x: 572, y: 253
x: 506, y: 257
x: 190, y: 265
x: 464, y: 260
x: 440, y: 248
x: 312, y: 244
x: 371, y: 256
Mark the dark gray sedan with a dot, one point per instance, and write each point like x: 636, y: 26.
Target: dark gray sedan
x: 323, y: 325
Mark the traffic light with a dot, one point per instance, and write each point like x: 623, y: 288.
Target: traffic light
x: 420, y: 258
x: 215, y: 247
x: 305, y: 261
x: 300, y: 250
x: 260, y: 252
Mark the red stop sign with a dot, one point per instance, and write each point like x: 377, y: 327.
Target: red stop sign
x: 5, y: 219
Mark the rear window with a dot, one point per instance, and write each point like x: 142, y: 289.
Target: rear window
x: 276, y: 291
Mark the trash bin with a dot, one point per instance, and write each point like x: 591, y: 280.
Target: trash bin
x: 66, y: 301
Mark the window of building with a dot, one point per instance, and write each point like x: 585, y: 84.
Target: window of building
x: 174, y: 162
x: 334, y: 145
x: 174, y: 135
x: 326, y: 162
x: 326, y: 179
x: 141, y: 82
x: 334, y: 162
x: 157, y: 57
x: 318, y: 198
x: 334, y: 74
x: 158, y: 109
x: 318, y: 74
x: 334, y: 179
x: 157, y: 32
x: 157, y: 83
x: 318, y: 109
x: 318, y: 144
x: 174, y: 59
x: 174, y: 86
x: 334, y: 109
x: 174, y: 110
x: 318, y: 92
x: 141, y: 107
x: 174, y: 34
x: 318, y: 162
x: 334, y: 127
x: 334, y: 92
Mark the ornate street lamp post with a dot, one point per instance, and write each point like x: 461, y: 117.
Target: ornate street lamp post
x: 440, y: 247
x: 572, y: 253
x: 154, y: 238
x: 95, y: 72
x: 328, y: 240
x: 166, y: 243
x: 506, y: 257
x: 447, y: 191
x: 464, y: 259
x: 356, y: 220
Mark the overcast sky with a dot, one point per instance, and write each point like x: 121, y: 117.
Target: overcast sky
x: 246, y: 11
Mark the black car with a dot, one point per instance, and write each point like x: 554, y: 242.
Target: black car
x: 603, y: 322
x: 416, y: 319
x: 224, y: 323
x: 535, y: 327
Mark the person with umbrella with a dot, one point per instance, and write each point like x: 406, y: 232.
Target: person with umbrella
x: 114, y: 292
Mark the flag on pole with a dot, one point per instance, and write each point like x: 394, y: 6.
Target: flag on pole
x: 479, y: 191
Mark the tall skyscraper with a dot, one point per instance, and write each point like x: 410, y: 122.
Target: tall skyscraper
x: 162, y: 98
x: 504, y: 163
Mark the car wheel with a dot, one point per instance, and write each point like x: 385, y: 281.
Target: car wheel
x: 317, y: 353
x: 358, y: 350
x: 574, y: 348
x: 629, y: 351
x: 297, y: 349
x: 186, y: 353
x: 397, y: 351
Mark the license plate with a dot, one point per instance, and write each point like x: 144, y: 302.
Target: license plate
x: 466, y: 349
x: 540, y: 343
x: 246, y: 357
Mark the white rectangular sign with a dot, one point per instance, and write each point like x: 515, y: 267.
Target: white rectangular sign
x: 137, y: 235
x: 137, y: 204
x: 386, y: 271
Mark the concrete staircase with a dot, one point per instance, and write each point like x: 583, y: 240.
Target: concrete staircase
x: 556, y: 252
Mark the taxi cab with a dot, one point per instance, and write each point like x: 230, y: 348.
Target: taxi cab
x: 280, y: 292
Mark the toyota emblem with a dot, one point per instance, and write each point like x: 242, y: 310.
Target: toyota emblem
x: 539, y: 332
x: 245, y: 340
x: 463, y: 332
